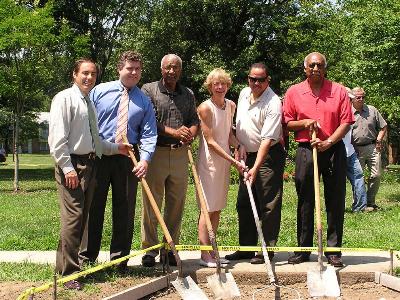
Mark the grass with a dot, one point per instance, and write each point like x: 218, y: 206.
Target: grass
x: 30, y: 218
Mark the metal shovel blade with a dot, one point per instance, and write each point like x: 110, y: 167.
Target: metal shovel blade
x: 224, y: 286
x: 188, y: 289
x: 323, y: 283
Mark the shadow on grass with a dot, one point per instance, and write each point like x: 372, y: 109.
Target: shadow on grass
x: 395, y: 197
x: 28, y: 174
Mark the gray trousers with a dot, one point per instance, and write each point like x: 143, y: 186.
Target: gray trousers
x: 367, y: 155
x: 74, y: 210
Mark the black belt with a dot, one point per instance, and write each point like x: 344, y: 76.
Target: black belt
x: 251, y: 153
x: 171, y: 146
x: 370, y: 143
x: 91, y: 156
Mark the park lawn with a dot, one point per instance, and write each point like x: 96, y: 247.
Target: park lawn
x: 30, y: 218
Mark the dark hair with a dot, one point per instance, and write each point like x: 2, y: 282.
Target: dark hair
x: 129, y: 56
x: 80, y: 61
x: 259, y: 65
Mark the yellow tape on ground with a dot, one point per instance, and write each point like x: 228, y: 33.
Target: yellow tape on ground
x: 34, y: 290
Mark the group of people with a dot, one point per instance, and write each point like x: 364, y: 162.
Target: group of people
x: 160, y: 121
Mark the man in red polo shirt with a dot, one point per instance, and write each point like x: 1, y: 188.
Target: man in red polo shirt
x: 324, y: 105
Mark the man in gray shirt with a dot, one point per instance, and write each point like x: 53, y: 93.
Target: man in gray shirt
x: 259, y: 131
x: 369, y: 130
x: 177, y: 124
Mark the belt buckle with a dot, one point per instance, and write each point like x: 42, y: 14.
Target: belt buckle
x: 176, y: 146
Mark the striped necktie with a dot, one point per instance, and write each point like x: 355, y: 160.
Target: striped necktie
x: 94, y: 130
x: 122, y: 121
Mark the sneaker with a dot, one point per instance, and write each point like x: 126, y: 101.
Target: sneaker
x: 148, y: 261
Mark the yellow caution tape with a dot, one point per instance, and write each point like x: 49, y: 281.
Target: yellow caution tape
x: 25, y: 295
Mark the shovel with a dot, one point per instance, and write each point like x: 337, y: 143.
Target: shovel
x: 267, y: 262
x: 223, y: 284
x: 322, y: 281
x: 185, y: 286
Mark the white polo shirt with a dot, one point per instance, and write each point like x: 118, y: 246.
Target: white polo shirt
x: 258, y: 121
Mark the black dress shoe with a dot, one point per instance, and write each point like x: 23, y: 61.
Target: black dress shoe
x: 298, y: 259
x: 335, y: 260
x: 73, y: 285
x: 238, y: 255
x: 148, y: 261
x: 123, y: 269
x: 171, y: 259
x: 259, y: 258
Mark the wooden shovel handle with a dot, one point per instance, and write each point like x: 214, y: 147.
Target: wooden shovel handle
x: 153, y: 202
x: 317, y: 201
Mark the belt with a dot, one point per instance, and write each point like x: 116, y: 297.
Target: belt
x: 171, y: 146
x: 90, y: 155
x: 361, y: 145
x: 251, y: 153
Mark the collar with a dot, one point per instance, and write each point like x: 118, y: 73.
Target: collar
x: 262, y: 97
x: 364, y: 109
x: 76, y: 90
x: 163, y: 89
x: 326, y: 87
x: 121, y: 87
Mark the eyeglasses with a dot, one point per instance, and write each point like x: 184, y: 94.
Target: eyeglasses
x: 360, y: 97
x: 319, y: 66
x: 259, y: 79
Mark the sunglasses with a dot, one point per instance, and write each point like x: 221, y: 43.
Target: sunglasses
x: 259, y: 79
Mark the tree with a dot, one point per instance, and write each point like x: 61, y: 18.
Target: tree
x: 30, y: 55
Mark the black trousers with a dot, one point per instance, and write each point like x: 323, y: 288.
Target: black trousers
x: 332, y: 166
x: 267, y: 192
x: 74, y: 210
x: 115, y: 170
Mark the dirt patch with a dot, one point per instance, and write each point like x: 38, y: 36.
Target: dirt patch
x: 99, y: 290
x: 366, y: 290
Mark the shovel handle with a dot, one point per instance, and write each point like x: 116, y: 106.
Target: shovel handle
x: 317, y: 200
x: 156, y: 210
x: 204, y: 210
x: 267, y: 262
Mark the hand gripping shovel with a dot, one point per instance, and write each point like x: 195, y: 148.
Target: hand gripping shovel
x: 323, y: 281
x: 223, y: 284
x: 186, y: 287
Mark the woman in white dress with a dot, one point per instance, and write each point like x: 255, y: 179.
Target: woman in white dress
x: 214, y: 159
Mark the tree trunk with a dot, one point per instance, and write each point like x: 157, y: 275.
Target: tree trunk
x: 16, y: 162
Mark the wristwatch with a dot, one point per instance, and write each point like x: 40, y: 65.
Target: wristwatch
x: 330, y: 141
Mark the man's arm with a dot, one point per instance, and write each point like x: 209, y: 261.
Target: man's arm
x: 338, y: 135
x: 379, y: 138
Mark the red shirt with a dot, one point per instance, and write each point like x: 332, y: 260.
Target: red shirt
x: 331, y: 108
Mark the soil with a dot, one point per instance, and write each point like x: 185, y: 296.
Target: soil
x: 366, y: 290
x: 352, y: 290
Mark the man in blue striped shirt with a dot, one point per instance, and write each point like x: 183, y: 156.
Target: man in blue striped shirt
x: 116, y: 170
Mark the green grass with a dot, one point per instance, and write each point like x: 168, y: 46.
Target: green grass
x: 30, y: 218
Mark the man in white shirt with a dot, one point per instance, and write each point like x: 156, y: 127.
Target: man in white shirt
x: 259, y: 131
x: 74, y: 144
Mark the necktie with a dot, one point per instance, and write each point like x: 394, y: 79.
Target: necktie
x: 122, y: 122
x: 93, y: 128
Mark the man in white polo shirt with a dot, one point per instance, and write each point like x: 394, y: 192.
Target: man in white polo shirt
x: 259, y: 131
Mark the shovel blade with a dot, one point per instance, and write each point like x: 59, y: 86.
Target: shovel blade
x: 188, y: 289
x: 224, y: 286
x: 323, y: 283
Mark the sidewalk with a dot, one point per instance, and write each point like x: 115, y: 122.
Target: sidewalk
x: 354, y: 262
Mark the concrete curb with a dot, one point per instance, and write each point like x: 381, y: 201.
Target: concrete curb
x: 387, y: 280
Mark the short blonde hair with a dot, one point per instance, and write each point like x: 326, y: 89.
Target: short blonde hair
x: 220, y: 75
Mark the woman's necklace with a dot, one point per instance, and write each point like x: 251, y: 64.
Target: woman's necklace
x: 219, y: 106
